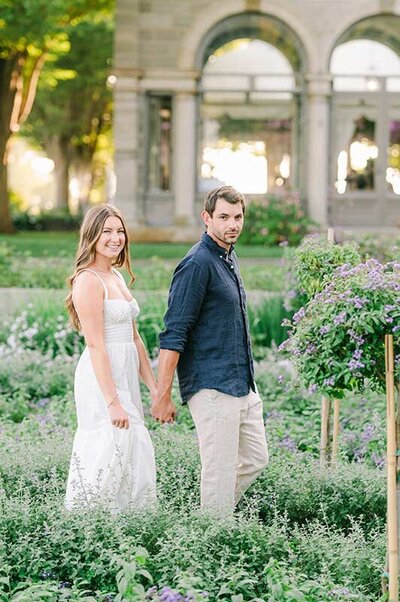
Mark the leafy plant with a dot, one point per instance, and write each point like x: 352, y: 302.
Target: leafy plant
x: 275, y: 220
x: 265, y: 321
x: 337, y: 340
x: 310, y: 267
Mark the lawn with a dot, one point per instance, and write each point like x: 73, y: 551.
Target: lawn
x: 55, y: 244
x: 44, y: 260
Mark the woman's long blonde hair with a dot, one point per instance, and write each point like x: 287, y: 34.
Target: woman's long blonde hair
x: 90, y: 232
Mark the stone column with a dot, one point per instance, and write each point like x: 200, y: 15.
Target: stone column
x: 126, y: 136
x: 184, y: 124
x: 318, y: 95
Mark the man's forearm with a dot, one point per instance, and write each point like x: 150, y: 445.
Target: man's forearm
x: 167, y: 363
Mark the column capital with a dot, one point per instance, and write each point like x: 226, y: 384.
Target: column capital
x: 319, y: 84
x: 183, y: 94
x: 127, y: 80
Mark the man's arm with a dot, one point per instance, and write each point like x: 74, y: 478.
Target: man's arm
x: 188, y: 289
x: 163, y: 409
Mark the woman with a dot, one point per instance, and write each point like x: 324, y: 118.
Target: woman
x: 112, y: 457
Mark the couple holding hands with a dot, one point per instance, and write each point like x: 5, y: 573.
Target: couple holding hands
x: 206, y: 339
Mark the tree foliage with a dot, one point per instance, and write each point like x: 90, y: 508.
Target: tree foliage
x: 73, y: 103
x: 31, y: 31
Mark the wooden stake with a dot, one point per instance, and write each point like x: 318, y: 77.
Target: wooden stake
x: 335, y: 436
x: 392, y: 539
x: 325, y: 415
x: 325, y: 403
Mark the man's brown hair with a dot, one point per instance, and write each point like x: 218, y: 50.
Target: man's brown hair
x: 227, y: 193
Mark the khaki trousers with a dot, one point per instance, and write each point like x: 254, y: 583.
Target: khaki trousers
x: 233, y: 446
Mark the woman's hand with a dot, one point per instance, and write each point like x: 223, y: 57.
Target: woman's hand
x: 153, y: 395
x: 119, y: 416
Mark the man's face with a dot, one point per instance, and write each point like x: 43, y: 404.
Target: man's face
x: 226, y: 223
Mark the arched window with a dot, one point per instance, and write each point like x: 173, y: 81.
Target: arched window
x: 366, y: 126
x: 248, y: 110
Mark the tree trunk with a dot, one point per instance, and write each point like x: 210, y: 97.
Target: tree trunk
x: 83, y: 172
x: 6, y: 224
x: 10, y: 73
x: 57, y: 149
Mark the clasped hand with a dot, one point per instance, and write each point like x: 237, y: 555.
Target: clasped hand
x: 163, y: 410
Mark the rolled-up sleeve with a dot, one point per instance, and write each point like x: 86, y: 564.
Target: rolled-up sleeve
x: 186, y: 295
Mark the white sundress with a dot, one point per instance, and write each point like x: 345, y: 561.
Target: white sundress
x: 111, y: 464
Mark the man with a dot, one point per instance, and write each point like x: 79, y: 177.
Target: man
x: 207, y: 337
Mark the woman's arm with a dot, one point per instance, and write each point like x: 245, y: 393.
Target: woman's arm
x: 145, y: 369
x: 88, y: 301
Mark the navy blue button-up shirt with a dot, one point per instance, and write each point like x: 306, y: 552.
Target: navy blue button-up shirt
x: 206, y: 322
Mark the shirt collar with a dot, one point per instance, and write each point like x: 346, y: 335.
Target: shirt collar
x: 211, y: 244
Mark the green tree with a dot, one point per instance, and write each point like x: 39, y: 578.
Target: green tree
x: 30, y: 32
x: 73, y: 106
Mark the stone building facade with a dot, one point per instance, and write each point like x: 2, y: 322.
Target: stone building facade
x: 341, y: 132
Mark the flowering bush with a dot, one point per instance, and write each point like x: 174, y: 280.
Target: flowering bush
x: 275, y: 220
x: 311, y: 265
x: 384, y: 249
x: 43, y: 327
x: 337, y: 340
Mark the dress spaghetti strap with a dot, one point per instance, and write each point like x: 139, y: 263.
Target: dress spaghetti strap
x: 99, y: 277
x: 120, y: 276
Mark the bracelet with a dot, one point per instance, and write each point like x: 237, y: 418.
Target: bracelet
x: 113, y: 400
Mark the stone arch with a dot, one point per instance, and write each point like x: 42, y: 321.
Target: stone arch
x: 382, y: 27
x: 272, y: 25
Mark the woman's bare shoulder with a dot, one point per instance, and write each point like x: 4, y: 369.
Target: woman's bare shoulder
x: 87, y: 282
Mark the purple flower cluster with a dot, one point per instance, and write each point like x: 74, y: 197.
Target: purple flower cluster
x: 378, y: 459
x: 337, y: 338
x: 288, y: 443
x: 311, y: 348
x: 340, y: 318
x: 298, y: 316
x: 340, y: 591
x: 354, y: 365
x: 356, y: 337
x: 358, y: 302
x: 167, y: 594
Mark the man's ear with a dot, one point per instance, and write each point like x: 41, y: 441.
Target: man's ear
x: 205, y: 216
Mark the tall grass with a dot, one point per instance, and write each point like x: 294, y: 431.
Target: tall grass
x: 265, y: 321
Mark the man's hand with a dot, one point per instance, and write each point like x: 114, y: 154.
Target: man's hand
x: 164, y: 412
x: 163, y: 408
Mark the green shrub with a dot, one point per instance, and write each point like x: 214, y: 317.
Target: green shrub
x: 295, y: 486
x: 8, y: 273
x: 34, y: 383
x: 47, y: 220
x: 275, y: 220
x: 311, y: 266
x: 383, y: 249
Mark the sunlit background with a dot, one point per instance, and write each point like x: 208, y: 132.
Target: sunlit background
x: 246, y: 131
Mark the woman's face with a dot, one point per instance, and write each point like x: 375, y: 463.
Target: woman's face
x: 112, y: 238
